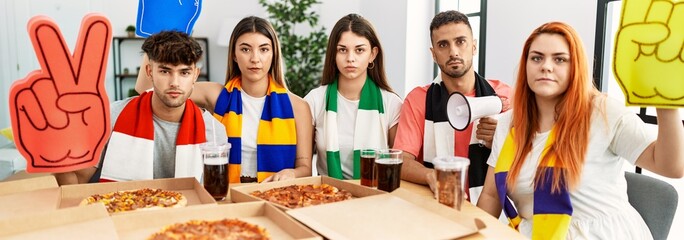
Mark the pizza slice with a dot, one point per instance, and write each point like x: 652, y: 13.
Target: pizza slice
x: 296, y: 196
x: 221, y: 229
x: 137, y: 200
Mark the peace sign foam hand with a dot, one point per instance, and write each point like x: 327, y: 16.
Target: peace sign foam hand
x: 60, y: 113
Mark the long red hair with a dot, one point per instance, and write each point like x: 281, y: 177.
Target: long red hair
x: 573, y: 114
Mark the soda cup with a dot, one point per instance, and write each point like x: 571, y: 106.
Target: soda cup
x: 215, y: 158
x: 451, y: 173
x: 388, y: 164
x: 368, y: 175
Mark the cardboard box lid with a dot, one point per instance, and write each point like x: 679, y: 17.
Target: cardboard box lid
x: 383, y: 216
x: 88, y: 222
x: 72, y: 195
x: 28, y: 184
x: 434, y: 206
x: 140, y: 225
x: 30, y: 195
x: 23, y: 203
x: 242, y: 193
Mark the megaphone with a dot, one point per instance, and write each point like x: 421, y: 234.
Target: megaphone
x: 462, y: 110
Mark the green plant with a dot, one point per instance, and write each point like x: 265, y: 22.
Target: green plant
x: 130, y: 28
x: 132, y: 92
x: 303, y: 54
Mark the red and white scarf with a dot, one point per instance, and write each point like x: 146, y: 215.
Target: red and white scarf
x: 130, y: 150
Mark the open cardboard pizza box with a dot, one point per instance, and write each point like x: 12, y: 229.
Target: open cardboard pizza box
x: 242, y: 193
x: 72, y: 195
x: 399, y: 215
x: 140, y: 225
x: 87, y: 222
x: 27, y: 196
x: 27, y: 184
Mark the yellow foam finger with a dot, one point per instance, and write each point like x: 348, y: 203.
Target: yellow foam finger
x: 634, y: 11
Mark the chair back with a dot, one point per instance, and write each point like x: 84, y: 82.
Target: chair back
x: 655, y: 200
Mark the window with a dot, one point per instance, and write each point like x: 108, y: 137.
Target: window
x: 477, y: 18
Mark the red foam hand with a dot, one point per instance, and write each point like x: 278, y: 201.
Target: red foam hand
x: 60, y: 113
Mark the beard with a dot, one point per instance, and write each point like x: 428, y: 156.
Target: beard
x: 456, y: 72
x: 170, y: 102
x: 173, y: 103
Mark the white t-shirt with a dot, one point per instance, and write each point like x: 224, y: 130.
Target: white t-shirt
x: 600, y: 205
x: 252, y: 107
x: 346, y: 118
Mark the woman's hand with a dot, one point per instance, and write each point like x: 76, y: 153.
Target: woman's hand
x: 284, y: 174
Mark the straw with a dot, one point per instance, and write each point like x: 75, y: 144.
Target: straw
x: 213, y: 131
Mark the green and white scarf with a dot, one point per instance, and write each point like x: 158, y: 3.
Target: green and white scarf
x: 370, y: 129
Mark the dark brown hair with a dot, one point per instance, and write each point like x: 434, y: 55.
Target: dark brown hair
x: 362, y: 27
x: 172, y: 47
x: 254, y: 24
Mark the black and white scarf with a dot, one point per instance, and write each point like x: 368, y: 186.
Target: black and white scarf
x: 438, y: 139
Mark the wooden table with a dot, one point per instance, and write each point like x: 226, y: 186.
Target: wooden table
x: 494, y: 229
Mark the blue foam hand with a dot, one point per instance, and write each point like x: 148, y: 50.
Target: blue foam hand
x: 158, y: 15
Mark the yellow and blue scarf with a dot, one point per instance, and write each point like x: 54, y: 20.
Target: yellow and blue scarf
x: 276, y: 134
x: 370, y: 129
x: 552, y: 211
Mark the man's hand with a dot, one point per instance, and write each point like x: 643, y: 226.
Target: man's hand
x: 284, y: 174
x: 649, y: 58
x: 485, y: 130
x: 60, y: 113
x: 431, y: 179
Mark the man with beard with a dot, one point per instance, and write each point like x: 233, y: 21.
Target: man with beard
x: 157, y: 134
x: 424, y: 131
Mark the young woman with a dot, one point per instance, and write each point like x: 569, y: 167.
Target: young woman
x: 354, y: 90
x: 557, y: 157
x: 268, y: 127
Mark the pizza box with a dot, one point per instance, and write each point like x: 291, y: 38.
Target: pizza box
x: 431, y: 204
x: 86, y: 222
x: 241, y: 193
x: 26, y: 196
x: 27, y: 184
x: 384, y: 216
x: 140, y: 225
x: 72, y: 195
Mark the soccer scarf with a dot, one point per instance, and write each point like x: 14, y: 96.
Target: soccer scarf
x: 552, y: 211
x: 130, y: 149
x: 276, y: 133
x: 438, y: 137
x: 370, y: 130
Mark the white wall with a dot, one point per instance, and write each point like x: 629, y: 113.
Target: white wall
x: 5, y: 55
x: 418, y: 60
x: 509, y: 23
x: 402, y: 26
